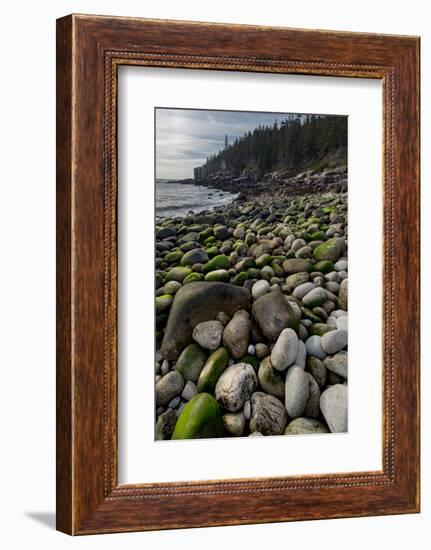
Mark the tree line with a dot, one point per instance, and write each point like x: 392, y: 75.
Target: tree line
x: 298, y: 142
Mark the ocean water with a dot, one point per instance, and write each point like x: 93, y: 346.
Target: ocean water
x: 177, y: 199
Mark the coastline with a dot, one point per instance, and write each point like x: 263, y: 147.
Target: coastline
x: 280, y: 243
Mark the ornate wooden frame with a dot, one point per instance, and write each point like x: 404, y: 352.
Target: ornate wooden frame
x: 89, y: 51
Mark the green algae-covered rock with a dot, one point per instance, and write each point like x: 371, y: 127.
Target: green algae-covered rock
x: 163, y: 303
x: 213, y: 368
x: 324, y: 266
x: 178, y: 274
x: 263, y: 260
x: 271, y: 380
x: 200, y: 418
x: 190, y: 362
x: 171, y: 287
x: 218, y: 262
x: 173, y: 257
x: 193, y: 277
x: 332, y: 249
x: 219, y: 275
x: 240, y: 278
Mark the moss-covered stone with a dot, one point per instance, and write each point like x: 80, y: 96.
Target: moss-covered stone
x: 271, y: 380
x: 178, y: 273
x: 320, y: 329
x: 263, y: 260
x: 332, y: 249
x: 324, y: 266
x: 173, y: 257
x: 163, y: 303
x: 190, y: 362
x: 200, y: 418
x: 212, y: 370
x: 193, y: 277
x: 218, y: 262
x: 240, y: 278
x: 220, y: 275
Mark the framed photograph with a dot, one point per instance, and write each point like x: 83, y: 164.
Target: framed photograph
x: 237, y: 274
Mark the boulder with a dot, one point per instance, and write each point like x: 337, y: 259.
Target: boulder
x: 195, y: 303
x: 273, y: 313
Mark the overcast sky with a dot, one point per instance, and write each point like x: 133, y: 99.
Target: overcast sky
x: 185, y: 137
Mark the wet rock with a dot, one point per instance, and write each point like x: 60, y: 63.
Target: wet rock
x: 165, y: 425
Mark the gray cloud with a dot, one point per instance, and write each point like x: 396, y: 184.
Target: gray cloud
x: 185, y: 137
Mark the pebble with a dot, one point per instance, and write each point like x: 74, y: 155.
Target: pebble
x: 305, y: 426
x: 169, y: 386
x: 173, y: 404
x: 342, y: 293
x: 303, y: 289
x: 334, y: 341
x: 341, y: 265
x: 337, y: 363
x: 251, y: 350
x: 342, y: 323
x: 234, y: 423
x: 315, y: 297
x: 189, y: 391
x: 236, y: 334
x: 208, y: 334
x: 165, y: 425
x: 165, y: 367
x: 312, y: 408
x: 259, y: 289
x: 235, y: 386
x: 247, y: 410
x: 318, y: 370
x: 285, y: 349
x: 333, y: 404
x: 262, y: 350
x: 314, y: 346
x: 301, y: 356
x: 268, y: 415
x: 297, y: 387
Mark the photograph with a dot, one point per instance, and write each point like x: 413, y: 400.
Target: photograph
x: 251, y: 273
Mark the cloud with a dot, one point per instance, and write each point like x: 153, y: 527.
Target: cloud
x: 186, y: 137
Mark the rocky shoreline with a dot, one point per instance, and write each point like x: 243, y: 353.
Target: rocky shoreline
x: 251, y: 314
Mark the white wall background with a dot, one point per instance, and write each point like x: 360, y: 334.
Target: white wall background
x: 27, y: 279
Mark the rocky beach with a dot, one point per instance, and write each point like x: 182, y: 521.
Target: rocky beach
x: 251, y: 312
